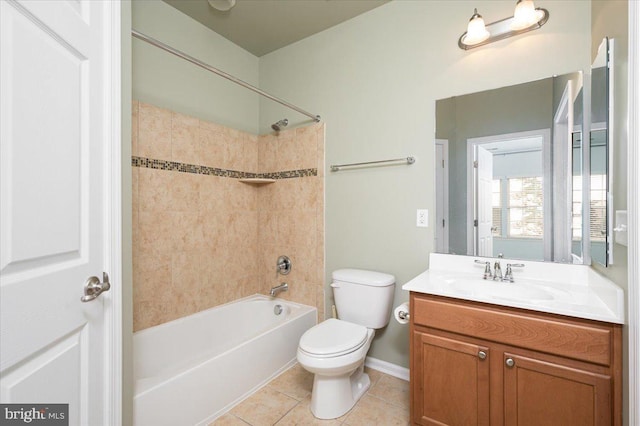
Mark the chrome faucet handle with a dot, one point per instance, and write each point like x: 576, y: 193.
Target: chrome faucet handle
x: 487, y: 268
x: 497, y: 271
x: 283, y: 265
x: 487, y: 271
x: 508, y: 275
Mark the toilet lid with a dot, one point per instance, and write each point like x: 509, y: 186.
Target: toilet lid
x: 333, y: 337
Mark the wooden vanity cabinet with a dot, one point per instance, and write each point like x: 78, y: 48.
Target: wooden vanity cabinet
x: 480, y: 364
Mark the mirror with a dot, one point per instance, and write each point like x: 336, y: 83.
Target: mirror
x: 600, y: 214
x: 513, y: 185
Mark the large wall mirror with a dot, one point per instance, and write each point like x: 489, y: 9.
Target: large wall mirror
x: 512, y: 175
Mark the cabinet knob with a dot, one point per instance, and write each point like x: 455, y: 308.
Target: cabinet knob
x: 510, y: 362
x: 482, y: 355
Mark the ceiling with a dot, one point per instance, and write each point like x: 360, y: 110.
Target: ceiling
x: 262, y: 26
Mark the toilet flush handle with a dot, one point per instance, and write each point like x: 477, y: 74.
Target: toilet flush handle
x: 335, y: 285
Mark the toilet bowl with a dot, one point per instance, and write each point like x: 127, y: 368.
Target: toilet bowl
x: 335, y: 350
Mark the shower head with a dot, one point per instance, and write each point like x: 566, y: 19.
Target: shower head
x: 280, y: 124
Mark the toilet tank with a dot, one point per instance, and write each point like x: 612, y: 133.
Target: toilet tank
x: 363, y: 297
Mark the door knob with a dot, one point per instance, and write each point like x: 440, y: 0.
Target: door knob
x: 94, y: 288
x: 510, y: 362
x: 482, y: 355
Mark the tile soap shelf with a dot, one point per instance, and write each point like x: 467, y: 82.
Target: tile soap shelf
x: 257, y: 181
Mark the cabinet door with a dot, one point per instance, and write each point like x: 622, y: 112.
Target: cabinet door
x: 542, y: 393
x: 451, y: 382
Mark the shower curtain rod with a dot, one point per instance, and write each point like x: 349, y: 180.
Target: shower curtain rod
x: 167, y: 48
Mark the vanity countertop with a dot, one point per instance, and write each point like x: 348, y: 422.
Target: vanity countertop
x: 564, y: 289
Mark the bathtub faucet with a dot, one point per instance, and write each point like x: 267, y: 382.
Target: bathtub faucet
x: 278, y: 289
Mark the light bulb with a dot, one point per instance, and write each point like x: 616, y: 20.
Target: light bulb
x: 476, y: 30
x: 525, y: 15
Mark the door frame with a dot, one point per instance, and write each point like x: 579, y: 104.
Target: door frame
x: 547, y: 173
x: 445, y: 193
x: 633, y: 205
x: 113, y: 323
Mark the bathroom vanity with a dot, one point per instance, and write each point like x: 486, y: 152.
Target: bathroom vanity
x: 513, y: 357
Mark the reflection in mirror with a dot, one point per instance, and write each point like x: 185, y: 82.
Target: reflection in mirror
x: 506, y: 195
x: 599, y: 147
x: 577, y: 178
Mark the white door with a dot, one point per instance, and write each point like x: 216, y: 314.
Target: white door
x: 484, y: 173
x: 56, y: 143
x: 442, y: 196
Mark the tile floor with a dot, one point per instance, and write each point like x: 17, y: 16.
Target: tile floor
x: 285, y: 401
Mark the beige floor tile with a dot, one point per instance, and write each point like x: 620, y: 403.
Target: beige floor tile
x: 228, y: 420
x: 296, y: 382
x: 264, y: 408
x: 301, y: 415
x: 392, y: 390
x: 374, y: 411
x: 374, y: 375
x: 285, y: 401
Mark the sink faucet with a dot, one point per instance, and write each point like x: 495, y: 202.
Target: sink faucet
x: 278, y: 289
x: 497, y: 270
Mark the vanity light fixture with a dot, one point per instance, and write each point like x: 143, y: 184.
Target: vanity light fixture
x: 526, y: 17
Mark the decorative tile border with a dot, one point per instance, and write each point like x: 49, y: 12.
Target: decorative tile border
x: 150, y: 163
x: 288, y: 174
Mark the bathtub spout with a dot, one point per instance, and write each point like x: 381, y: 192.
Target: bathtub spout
x: 278, y: 289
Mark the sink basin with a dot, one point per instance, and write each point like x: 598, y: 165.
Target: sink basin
x: 564, y: 289
x: 500, y: 290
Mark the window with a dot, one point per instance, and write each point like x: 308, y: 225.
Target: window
x: 517, y: 207
x: 597, y: 208
x: 525, y: 207
x: 576, y: 209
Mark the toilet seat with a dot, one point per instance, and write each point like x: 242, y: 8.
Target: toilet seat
x: 333, y: 338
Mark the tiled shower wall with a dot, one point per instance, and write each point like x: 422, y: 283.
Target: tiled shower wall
x: 291, y: 213
x: 201, y: 237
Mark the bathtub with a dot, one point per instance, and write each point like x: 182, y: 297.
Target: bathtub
x: 192, y: 370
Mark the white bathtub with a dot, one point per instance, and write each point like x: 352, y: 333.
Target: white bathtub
x: 192, y: 370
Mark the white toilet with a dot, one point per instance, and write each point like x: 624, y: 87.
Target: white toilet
x: 335, y: 349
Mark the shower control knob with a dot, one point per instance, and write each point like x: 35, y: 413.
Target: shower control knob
x: 283, y: 265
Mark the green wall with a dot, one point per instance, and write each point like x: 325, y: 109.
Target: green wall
x: 610, y: 19
x: 165, y: 80
x: 374, y: 80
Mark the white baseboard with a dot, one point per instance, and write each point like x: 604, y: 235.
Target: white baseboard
x: 387, y: 368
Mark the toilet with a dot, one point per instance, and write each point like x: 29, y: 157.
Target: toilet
x: 335, y: 349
